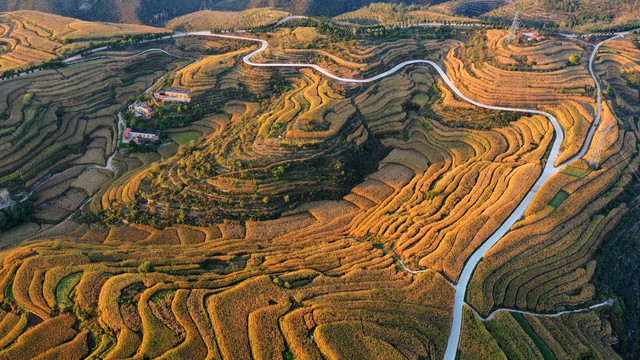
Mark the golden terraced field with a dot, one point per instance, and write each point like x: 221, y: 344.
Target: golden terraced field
x: 278, y: 232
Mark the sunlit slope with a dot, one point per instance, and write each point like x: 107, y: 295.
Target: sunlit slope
x: 29, y: 38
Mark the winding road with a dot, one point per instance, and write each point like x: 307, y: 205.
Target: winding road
x: 549, y: 169
x: 609, y: 302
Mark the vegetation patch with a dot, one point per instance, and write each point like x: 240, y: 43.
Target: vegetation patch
x: 544, y: 349
x: 575, y: 172
x: 65, y: 289
x: 558, y: 199
x: 184, y: 138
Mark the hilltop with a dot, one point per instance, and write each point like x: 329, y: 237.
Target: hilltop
x: 579, y: 14
x: 207, y: 19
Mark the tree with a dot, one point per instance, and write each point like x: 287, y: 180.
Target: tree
x: 26, y: 100
x: 146, y: 267
x: 279, y: 172
x: 574, y: 59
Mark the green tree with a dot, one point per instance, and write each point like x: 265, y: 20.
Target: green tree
x: 26, y: 100
x: 146, y: 267
x: 574, y: 59
x: 278, y: 172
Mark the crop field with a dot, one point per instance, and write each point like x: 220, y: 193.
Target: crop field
x: 185, y: 137
x: 273, y: 226
x: 618, y: 60
x: 550, y: 85
x: 437, y: 194
x: 68, y: 125
x: 29, y: 38
x: 588, y: 15
x: 294, y: 293
x: 512, y: 335
x: 207, y: 20
x: 567, y: 220
x: 301, y: 130
x: 391, y: 14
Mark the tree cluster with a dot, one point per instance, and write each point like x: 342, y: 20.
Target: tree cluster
x: 15, y: 214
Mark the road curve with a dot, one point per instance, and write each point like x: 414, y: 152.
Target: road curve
x: 609, y: 302
x: 549, y: 169
x: 289, y: 18
x: 594, y: 125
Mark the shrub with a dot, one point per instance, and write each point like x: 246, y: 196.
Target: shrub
x: 146, y: 267
x: 26, y: 100
x: 574, y: 59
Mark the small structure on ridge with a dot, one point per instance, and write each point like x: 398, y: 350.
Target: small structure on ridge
x: 173, y: 94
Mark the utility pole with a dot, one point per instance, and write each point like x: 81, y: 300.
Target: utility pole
x: 515, y: 27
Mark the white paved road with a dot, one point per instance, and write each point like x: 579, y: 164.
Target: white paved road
x: 596, y: 121
x: 609, y: 302
x: 548, y: 171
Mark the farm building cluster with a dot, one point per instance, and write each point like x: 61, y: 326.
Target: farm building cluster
x: 141, y: 109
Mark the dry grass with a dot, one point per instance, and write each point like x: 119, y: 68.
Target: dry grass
x: 207, y: 20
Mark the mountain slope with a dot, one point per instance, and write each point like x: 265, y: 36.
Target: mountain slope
x: 156, y: 12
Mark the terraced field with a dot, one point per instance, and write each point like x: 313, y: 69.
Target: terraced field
x: 207, y: 20
x: 29, y: 38
x: 393, y: 14
x: 67, y: 127
x: 193, y: 302
x: 306, y: 142
x: 568, y: 210
x: 565, y: 224
x: 323, y: 278
x: 619, y: 60
x: 550, y: 85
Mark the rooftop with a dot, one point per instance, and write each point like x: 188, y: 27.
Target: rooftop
x: 142, y: 105
x: 143, y: 131
x: 178, y: 91
x: 530, y: 33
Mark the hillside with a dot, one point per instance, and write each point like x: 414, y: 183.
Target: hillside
x: 30, y: 38
x: 317, y: 189
x: 207, y: 19
x: 382, y: 13
x: 584, y: 14
x: 156, y: 12
x: 575, y: 14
